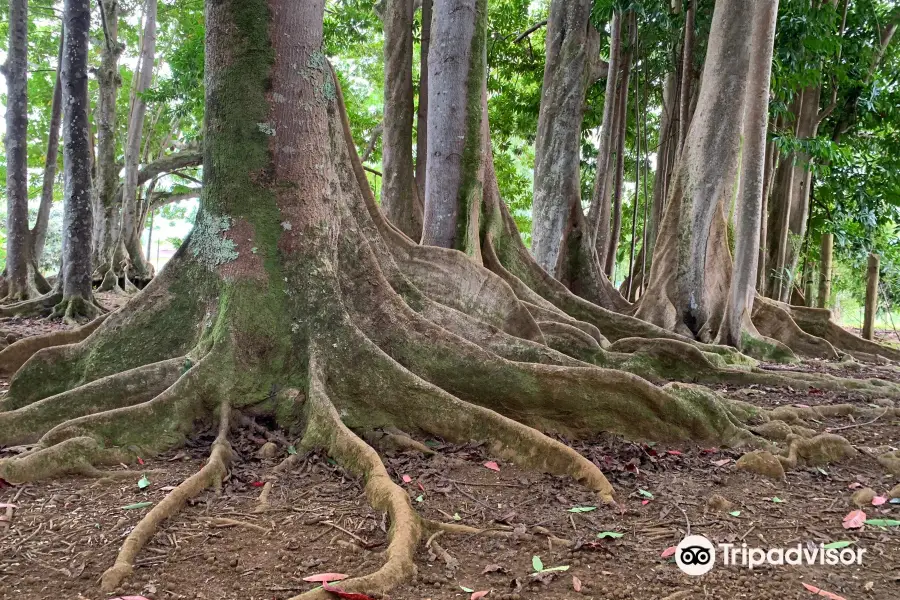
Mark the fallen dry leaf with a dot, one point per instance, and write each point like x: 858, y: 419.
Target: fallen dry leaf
x: 854, y: 520
x: 346, y: 595
x: 477, y: 595
x: 325, y: 577
x: 576, y: 584
x: 670, y: 551
x: 493, y: 466
x: 820, y: 592
x: 407, y: 479
x: 878, y: 500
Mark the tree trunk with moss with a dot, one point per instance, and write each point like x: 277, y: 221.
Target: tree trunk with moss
x: 132, y: 224
x: 293, y: 280
x: 422, y: 107
x: 108, y: 195
x: 400, y: 197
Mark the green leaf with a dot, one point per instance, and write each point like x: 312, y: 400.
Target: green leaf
x: 432, y: 443
x: 420, y: 498
x: 456, y: 517
x: 466, y: 590
x: 582, y: 509
x: 823, y: 471
x: 735, y: 513
x: 883, y: 522
x: 645, y: 494
x: 610, y: 534
x: 562, y: 568
x: 137, y: 505
x: 840, y: 544
x: 777, y: 500
x: 536, y: 563
x: 144, y: 483
x: 292, y: 450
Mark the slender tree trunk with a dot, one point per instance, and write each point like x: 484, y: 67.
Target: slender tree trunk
x: 687, y: 61
x: 20, y: 266
x: 39, y: 231
x: 825, y: 252
x: 108, y: 199
x: 637, y: 168
x: 615, y: 231
x: 455, y: 164
x: 399, y: 195
x: 557, y: 165
x: 75, y: 282
x: 748, y: 211
x: 868, y: 330
x: 131, y: 226
x: 422, y: 109
x: 693, y: 282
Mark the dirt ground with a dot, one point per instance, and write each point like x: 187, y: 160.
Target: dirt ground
x: 63, y: 534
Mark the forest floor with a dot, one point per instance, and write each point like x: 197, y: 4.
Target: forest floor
x: 63, y: 534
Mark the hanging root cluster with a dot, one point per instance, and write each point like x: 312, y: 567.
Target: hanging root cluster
x: 363, y: 331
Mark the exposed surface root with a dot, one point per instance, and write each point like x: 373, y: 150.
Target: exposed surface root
x: 14, y: 356
x: 326, y: 430
x: 76, y: 310
x: 211, y: 474
x: 501, y: 532
x: 771, y: 320
x: 40, y: 306
x: 27, y: 424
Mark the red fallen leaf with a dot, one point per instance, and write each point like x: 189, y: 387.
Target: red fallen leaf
x: 407, y: 479
x: 645, y: 502
x: 325, y: 577
x: 815, y: 391
x: 670, y: 551
x: 854, y: 520
x: 257, y: 484
x: 878, y: 500
x: 674, y: 452
x: 821, y: 592
x: 492, y: 466
x: 576, y: 584
x: 140, y: 460
x: 343, y: 594
x: 709, y: 451
x: 854, y: 486
x: 421, y: 487
x: 477, y: 595
x: 721, y: 463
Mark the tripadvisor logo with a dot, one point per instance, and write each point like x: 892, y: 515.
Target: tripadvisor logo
x: 696, y: 555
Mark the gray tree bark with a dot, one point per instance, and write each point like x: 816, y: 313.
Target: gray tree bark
x: 108, y: 198
x: 422, y: 110
x: 399, y: 196
x: 20, y: 266
x: 131, y: 214
x: 75, y: 280
x: 557, y: 166
x: 455, y: 164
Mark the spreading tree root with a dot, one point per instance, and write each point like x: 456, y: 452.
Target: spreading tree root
x: 14, y: 356
x: 505, y: 532
x: 211, y: 474
x: 40, y: 306
x: 325, y: 429
x: 76, y: 310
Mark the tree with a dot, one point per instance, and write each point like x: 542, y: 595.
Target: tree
x: 20, y: 264
x: 295, y: 298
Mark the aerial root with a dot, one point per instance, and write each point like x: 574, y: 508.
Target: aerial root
x: 505, y: 532
x: 14, y: 356
x: 211, y: 474
x: 326, y: 430
x: 27, y: 424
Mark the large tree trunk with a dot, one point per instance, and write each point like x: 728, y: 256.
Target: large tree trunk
x: 131, y: 226
x: 692, y: 271
x: 399, y: 195
x: 557, y: 179
x: 39, y: 231
x: 75, y: 281
x: 455, y: 164
x: 20, y: 264
x: 108, y: 195
x: 422, y: 109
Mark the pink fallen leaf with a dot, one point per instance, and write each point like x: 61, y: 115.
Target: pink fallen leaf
x: 576, y: 584
x: 421, y: 487
x: 820, y: 592
x: 854, y: 520
x: 721, y: 463
x: 674, y: 452
x: 325, y: 577
x: 492, y: 466
x: 670, y: 551
x: 709, y: 451
x: 407, y: 479
x: 257, y: 484
x: 645, y: 502
x: 140, y: 460
x: 342, y: 594
x: 477, y: 595
x: 854, y: 486
x: 878, y: 500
